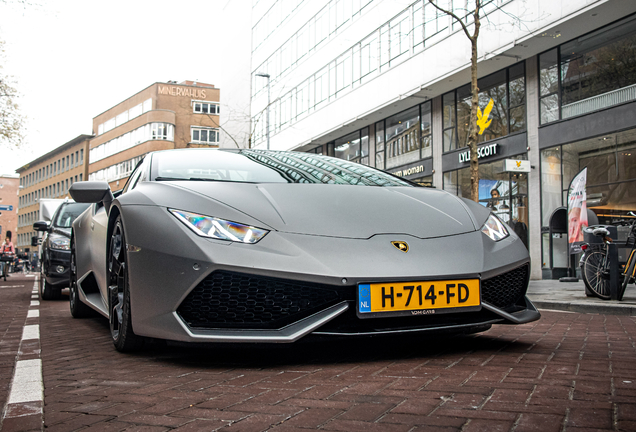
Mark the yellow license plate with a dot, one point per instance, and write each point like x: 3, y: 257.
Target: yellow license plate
x: 418, y: 298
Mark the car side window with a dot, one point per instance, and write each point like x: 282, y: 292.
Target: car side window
x: 134, y: 179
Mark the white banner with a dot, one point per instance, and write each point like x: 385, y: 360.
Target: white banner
x: 577, y: 211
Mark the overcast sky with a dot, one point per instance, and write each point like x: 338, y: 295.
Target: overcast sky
x: 74, y: 59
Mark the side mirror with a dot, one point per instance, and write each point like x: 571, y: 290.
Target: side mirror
x: 92, y: 192
x: 35, y: 241
x: 41, y: 226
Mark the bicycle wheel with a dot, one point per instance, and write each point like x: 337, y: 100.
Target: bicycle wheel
x: 596, y: 273
x: 629, y: 272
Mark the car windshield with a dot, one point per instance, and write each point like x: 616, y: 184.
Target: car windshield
x: 264, y: 166
x: 68, y: 213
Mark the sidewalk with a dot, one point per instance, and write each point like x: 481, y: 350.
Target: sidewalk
x: 570, y: 296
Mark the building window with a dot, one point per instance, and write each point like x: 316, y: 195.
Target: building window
x: 502, y: 104
x: 122, y: 118
x: 379, y: 144
x: 115, y: 172
x: 353, y: 147
x: 592, y: 72
x: 204, y: 135
x: 81, y: 156
x: 402, y: 138
x: 201, y: 107
x: 405, y: 137
x: 150, y: 131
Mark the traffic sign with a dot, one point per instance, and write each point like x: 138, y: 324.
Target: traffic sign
x: 6, y: 208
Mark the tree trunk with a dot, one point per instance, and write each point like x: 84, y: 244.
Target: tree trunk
x: 474, y: 106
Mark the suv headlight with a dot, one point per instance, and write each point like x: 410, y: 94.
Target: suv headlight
x: 494, y: 228
x: 208, y: 226
x: 60, y: 243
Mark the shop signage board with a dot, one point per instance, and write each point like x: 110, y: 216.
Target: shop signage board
x: 482, y: 152
x: 6, y: 208
x: 517, y: 165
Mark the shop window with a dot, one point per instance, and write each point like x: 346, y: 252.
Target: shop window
x: 611, y: 175
x: 426, y: 124
x: 505, y: 194
x: 402, y: 138
x: 353, y: 147
x: 379, y: 144
x: 502, y: 106
x: 450, y: 141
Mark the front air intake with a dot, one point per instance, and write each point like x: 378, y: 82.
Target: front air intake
x: 226, y: 299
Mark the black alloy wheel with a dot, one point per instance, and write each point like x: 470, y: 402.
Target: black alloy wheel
x: 78, y: 309
x: 48, y: 291
x: 119, y: 293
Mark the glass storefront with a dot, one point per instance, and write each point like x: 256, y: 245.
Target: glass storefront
x: 404, y: 138
x: 592, y: 72
x: 611, y: 174
x: 353, y: 147
x: 505, y: 193
x: 501, y: 101
x: 611, y: 181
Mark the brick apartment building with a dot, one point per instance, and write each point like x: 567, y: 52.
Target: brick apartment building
x: 161, y: 116
x: 49, y: 176
x: 9, y: 186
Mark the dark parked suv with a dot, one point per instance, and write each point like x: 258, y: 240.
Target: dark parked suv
x: 56, y: 249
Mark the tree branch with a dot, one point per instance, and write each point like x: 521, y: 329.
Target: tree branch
x: 454, y: 16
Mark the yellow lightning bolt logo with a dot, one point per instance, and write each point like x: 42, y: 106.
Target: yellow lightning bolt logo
x: 482, y: 119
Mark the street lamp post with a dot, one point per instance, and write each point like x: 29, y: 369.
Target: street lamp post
x: 264, y: 75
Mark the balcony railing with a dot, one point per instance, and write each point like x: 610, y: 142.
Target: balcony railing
x: 601, y: 101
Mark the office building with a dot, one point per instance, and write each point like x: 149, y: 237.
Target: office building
x: 386, y: 83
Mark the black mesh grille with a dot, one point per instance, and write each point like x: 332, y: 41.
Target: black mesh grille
x: 227, y: 299
x: 504, y: 290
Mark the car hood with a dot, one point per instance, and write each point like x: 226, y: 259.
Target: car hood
x: 66, y: 232
x: 340, y: 210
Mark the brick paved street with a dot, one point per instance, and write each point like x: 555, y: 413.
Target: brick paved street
x: 568, y: 371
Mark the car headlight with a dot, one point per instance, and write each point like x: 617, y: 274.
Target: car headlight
x: 494, y: 228
x: 220, y: 229
x: 60, y: 243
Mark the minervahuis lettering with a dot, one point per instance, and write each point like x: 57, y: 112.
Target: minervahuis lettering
x: 408, y: 171
x: 485, y: 151
x: 181, y: 91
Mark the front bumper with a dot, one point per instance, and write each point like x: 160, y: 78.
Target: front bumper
x: 163, y: 279
x: 57, y: 258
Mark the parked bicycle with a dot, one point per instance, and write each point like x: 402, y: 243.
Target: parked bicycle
x: 595, y: 263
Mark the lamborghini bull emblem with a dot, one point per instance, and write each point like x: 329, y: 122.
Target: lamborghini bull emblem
x: 403, y: 246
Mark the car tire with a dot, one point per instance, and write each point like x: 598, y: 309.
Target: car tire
x: 120, y: 314
x: 48, y: 291
x: 78, y: 309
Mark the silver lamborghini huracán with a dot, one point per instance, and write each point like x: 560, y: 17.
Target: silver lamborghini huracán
x: 211, y: 245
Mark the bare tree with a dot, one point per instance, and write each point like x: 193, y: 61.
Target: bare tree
x: 11, y: 120
x: 473, y: 128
